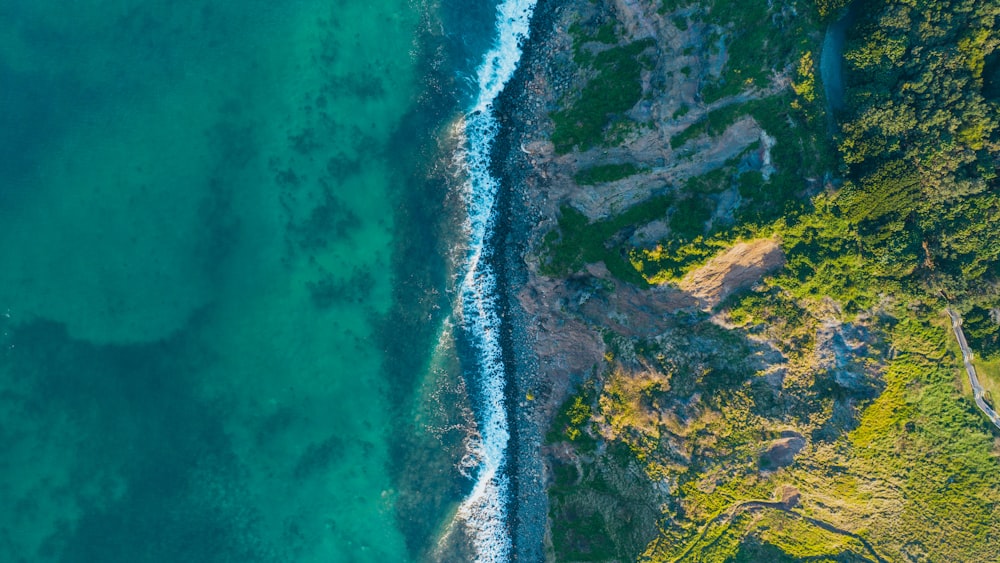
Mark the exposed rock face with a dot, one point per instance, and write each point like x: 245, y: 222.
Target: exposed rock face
x: 781, y: 452
x: 566, y: 313
x: 670, y: 85
x: 590, y: 326
x: 740, y: 267
x: 840, y: 350
x: 705, y: 154
x: 564, y: 343
x: 631, y: 311
x: 633, y: 15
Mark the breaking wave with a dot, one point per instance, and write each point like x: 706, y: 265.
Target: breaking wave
x: 485, y: 510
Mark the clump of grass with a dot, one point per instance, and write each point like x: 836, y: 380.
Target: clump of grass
x: 577, y: 241
x: 575, y: 418
x: 755, y: 46
x: 674, y: 257
x: 614, y: 89
x: 605, y: 173
x: 709, y: 183
x: 713, y: 123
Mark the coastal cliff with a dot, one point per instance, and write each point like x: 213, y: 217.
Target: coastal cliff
x: 711, y: 360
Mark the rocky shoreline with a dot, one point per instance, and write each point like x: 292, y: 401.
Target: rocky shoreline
x: 518, y: 217
x: 551, y: 343
x: 549, y: 350
x: 650, y: 383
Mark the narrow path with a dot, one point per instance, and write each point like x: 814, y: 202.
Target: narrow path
x: 977, y: 389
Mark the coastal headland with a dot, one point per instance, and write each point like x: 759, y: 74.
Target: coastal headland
x: 723, y: 343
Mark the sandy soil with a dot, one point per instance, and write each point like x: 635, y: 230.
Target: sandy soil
x: 740, y: 267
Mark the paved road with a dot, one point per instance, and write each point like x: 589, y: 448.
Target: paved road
x: 977, y: 389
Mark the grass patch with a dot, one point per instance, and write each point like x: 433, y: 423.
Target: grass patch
x: 714, y: 123
x: 577, y: 242
x: 989, y: 377
x: 614, y: 89
x: 672, y: 258
x: 756, y: 44
x: 933, y: 446
x: 605, y: 173
x: 574, y: 420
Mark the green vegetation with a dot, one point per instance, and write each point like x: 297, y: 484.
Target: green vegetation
x: 606, y: 34
x: 758, y: 39
x: 821, y: 248
x: 605, y: 173
x: 829, y: 8
x: 600, y: 509
x: 713, y: 124
x: 713, y: 182
x: 674, y: 257
x: 613, y: 89
x: 753, y: 45
x: 578, y: 242
x: 983, y: 332
x: 805, y: 85
x: 603, y: 35
x: 574, y: 419
x: 690, y: 216
x: 773, y: 535
x: 860, y: 367
x: 921, y: 143
x: 988, y: 372
x: 920, y: 437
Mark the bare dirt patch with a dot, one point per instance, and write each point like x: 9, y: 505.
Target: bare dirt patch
x: 742, y: 266
x: 782, y: 452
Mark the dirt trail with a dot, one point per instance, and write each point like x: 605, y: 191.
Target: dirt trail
x: 739, y: 507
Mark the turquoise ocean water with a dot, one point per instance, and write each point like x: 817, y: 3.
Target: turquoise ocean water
x: 227, y: 284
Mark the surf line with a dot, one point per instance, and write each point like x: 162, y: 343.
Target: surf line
x: 485, y: 509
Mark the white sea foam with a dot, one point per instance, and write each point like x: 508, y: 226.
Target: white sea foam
x: 485, y: 510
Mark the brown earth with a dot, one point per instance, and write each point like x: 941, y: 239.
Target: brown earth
x: 566, y: 318
x: 781, y: 452
x: 740, y: 267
